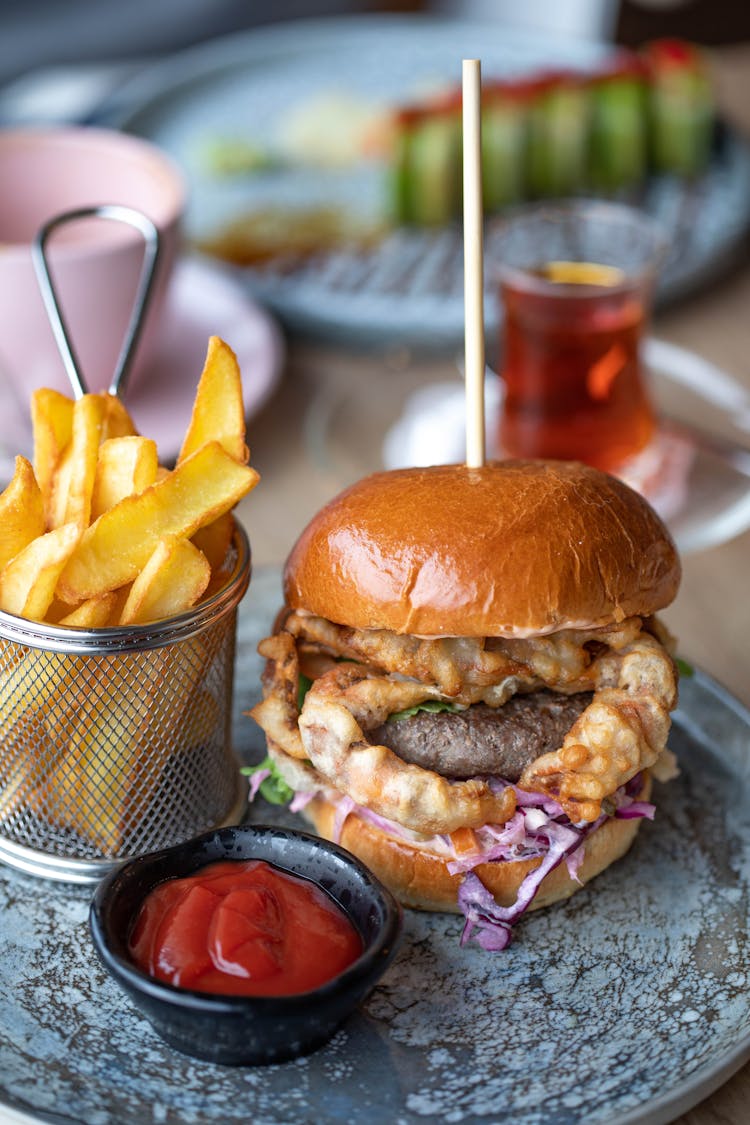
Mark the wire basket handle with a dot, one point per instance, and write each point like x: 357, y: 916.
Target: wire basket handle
x: 120, y: 214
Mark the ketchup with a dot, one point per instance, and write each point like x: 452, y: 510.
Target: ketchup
x: 242, y: 928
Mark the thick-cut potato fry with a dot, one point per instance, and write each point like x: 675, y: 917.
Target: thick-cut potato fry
x: 113, y: 550
x: 74, y: 480
x: 121, y: 596
x: 172, y: 581
x: 21, y: 512
x: 57, y: 500
x: 103, y: 780
x: 24, y: 769
x: 92, y: 614
x: 101, y: 611
x: 218, y: 409
x: 117, y: 422
x: 52, y: 422
x: 126, y: 466
x: 27, y: 584
x: 214, y: 540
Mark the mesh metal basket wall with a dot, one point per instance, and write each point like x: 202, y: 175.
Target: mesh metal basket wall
x: 115, y: 742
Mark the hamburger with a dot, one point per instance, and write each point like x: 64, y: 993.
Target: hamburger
x: 468, y: 687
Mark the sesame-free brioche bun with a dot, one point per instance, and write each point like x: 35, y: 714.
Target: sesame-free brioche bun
x: 420, y: 878
x: 515, y: 548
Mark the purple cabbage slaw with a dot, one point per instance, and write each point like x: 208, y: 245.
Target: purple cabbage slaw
x: 256, y: 780
x: 544, y: 832
x: 539, y: 829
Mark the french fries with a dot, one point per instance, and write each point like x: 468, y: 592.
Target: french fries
x: 214, y: 539
x: 115, y: 549
x: 92, y: 614
x: 27, y: 583
x: 218, y: 409
x: 74, y: 484
x: 172, y: 581
x: 21, y: 512
x: 117, y: 422
x: 97, y: 506
x: 95, y: 535
x: 125, y: 466
x: 52, y: 423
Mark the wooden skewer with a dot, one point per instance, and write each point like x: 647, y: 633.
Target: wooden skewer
x: 473, y: 264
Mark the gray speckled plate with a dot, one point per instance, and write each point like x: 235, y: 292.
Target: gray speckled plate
x: 628, y: 1003
x: 409, y: 287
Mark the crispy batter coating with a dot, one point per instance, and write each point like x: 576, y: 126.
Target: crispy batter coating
x: 277, y: 714
x: 349, y: 700
x: 623, y: 731
x: 459, y: 664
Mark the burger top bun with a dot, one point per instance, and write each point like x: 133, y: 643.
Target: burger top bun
x: 513, y: 549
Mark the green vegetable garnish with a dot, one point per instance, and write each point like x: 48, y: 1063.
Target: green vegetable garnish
x: 304, y: 683
x: 684, y: 668
x: 273, y: 788
x: 235, y: 157
x: 432, y: 705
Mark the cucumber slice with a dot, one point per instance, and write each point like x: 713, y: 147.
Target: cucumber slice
x: 618, y: 151
x: 503, y: 154
x: 427, y: 174
x: 558, y: 141
x: 681, y: 116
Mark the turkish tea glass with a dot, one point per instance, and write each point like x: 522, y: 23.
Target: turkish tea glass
x: 576, y: 282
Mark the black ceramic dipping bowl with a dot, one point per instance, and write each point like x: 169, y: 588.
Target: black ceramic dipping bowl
x: 248, y: 1030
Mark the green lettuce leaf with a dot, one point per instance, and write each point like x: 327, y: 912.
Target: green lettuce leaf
x: 433, y: 705
x: 273, y: 788
x: 684, y: 668
x: 304, y: 683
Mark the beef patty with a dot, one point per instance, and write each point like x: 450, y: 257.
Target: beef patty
x: 481, y: 739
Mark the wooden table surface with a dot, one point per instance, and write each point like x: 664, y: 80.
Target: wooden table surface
x: 355, y: 396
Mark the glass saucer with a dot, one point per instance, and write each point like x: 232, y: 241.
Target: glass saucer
x: 697, y: 474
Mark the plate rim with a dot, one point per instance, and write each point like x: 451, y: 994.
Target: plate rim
x: 197, y: 62
x: 710, y: 1075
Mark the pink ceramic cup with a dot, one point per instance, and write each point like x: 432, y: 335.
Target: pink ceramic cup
x: 95, y: 263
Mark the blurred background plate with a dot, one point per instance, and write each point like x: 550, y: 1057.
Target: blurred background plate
x: 407, y: 287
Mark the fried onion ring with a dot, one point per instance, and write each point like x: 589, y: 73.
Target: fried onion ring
x: 459, y: 665
x: 277, y: 713
x: 349, y: 700
x: 622, y: 731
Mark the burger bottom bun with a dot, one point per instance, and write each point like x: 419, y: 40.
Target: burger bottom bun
x: 420, y: 878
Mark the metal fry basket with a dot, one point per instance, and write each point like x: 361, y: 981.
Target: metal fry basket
x: 115, y: 742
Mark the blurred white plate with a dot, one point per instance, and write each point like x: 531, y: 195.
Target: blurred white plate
x: 704, y: 495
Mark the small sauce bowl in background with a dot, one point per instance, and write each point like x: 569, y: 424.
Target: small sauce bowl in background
x: 240, y: 1030
x: 95, y: 263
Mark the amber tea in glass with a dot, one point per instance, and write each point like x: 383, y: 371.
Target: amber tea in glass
x: 575, y: 284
